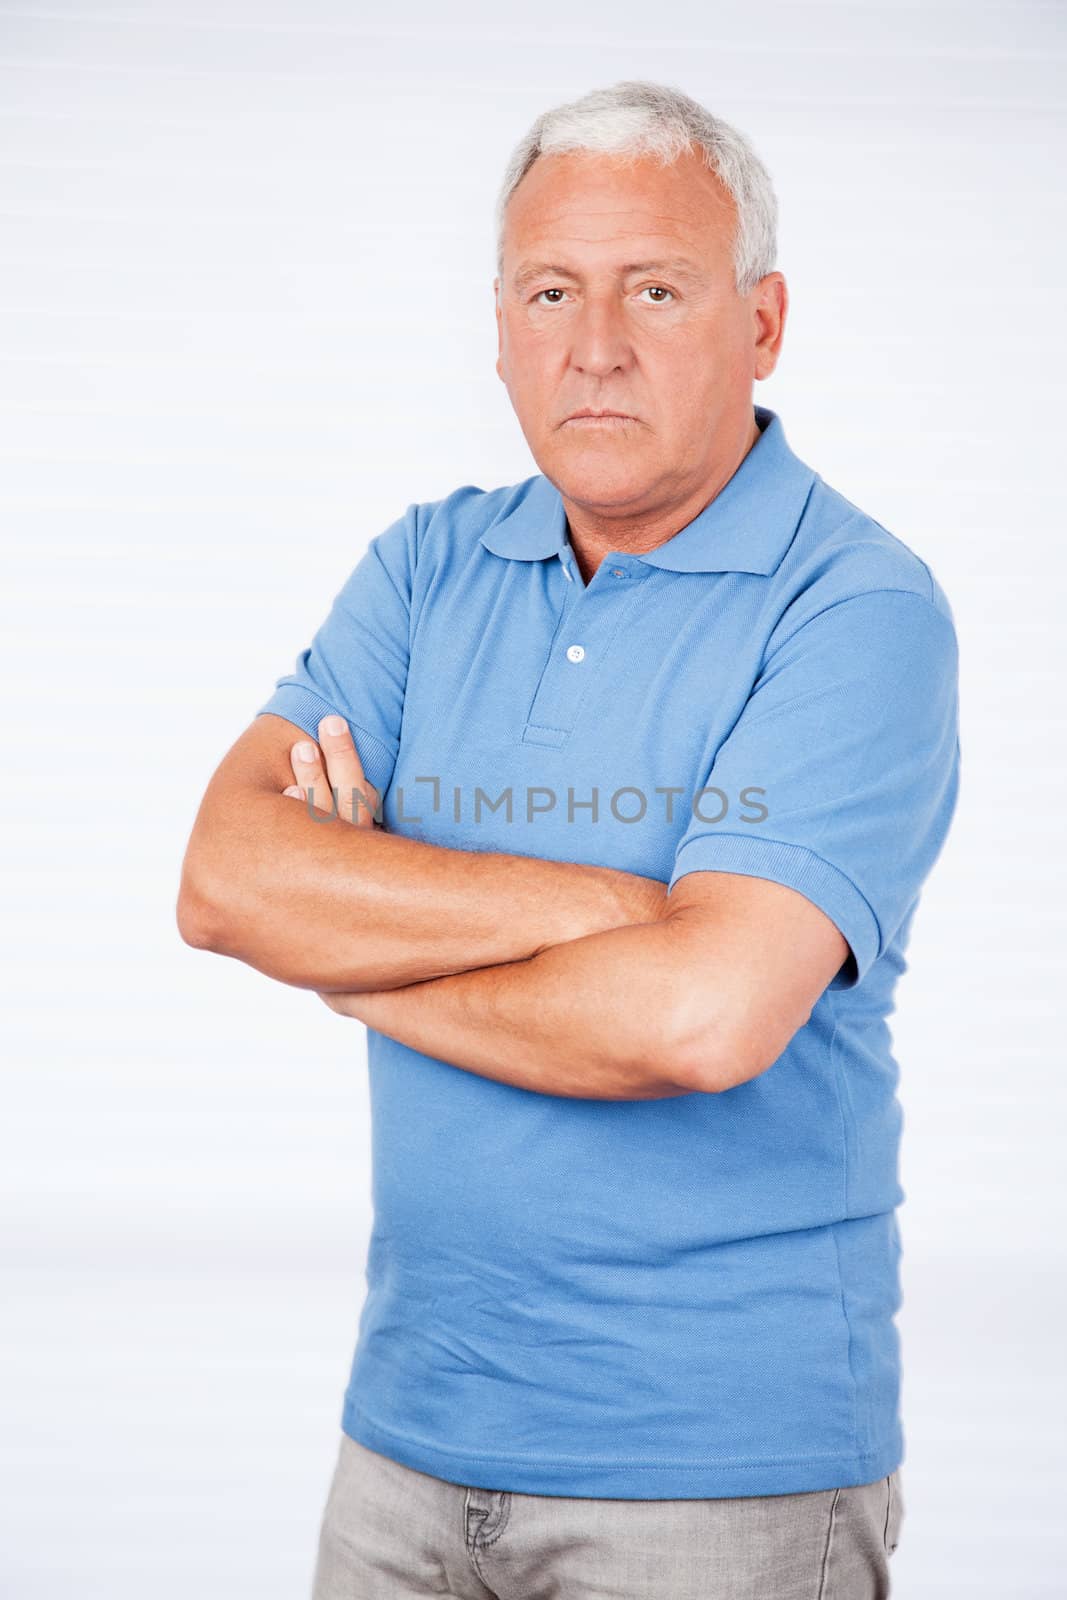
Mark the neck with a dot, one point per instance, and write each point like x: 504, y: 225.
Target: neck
x: 593, y: 535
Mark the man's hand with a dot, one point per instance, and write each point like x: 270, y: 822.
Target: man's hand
x: 330, y: 775
x: 360, y: 907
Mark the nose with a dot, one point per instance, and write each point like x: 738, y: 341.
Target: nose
x: 600, y: 343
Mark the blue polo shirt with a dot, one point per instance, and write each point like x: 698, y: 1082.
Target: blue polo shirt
x: 680, y: 1298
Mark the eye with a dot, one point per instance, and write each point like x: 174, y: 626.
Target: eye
x: 652, y: 288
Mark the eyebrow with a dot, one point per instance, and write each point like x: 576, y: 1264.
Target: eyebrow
x: 675, y: 267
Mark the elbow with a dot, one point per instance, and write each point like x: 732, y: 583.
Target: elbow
x: 682, y: 1047
x: 718, y: 1055
x: 194, y: 924
x: 709, y: 1056
x: 693, y: 1066
x: 197, y: 916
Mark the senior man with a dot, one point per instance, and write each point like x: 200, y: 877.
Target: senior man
x: 638, y: 768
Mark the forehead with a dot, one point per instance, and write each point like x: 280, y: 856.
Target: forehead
x: 586, y: 202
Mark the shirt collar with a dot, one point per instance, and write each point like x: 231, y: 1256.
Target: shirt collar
x: 746, y: 527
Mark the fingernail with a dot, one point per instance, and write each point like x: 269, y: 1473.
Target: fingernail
x: 333, y: 724
x: 305, y: 752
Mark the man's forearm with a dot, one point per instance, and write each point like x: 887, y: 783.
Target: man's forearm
x: 597, y: 1018
x: 328, y: 906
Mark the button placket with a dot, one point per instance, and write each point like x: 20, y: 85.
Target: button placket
x: 589, y: 621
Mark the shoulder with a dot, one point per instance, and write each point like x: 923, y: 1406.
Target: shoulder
x: 843, y: 554
x: 434, y: 537
x: 469, y: 511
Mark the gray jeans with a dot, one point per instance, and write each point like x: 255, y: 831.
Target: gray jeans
x: 391, y: 1533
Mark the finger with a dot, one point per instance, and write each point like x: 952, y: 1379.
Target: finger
x: 296, y: 792
x: 306, y: 762
x: 357, y: 798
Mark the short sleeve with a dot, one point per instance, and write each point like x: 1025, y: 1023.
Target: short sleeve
x: 357, y: 662
x: 846, y: 756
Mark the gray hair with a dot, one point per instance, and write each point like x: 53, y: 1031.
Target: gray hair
x: 636, y: 118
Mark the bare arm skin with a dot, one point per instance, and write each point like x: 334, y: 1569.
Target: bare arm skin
x: 340, y: 908
x: 703, y: 999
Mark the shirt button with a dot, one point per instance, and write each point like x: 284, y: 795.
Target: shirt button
x: 575, y: 652
x: 617, y: 572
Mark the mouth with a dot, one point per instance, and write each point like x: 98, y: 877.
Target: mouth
x: 590, y: 418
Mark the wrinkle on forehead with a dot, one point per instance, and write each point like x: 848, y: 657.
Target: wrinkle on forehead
x: 593, y: 219
x: 595, y: 208
x: 645, y: 224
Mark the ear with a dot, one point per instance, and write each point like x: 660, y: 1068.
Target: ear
x: 771, y: 309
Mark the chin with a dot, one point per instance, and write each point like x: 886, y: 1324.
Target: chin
x: 589, y: 479
x: 601, y: 468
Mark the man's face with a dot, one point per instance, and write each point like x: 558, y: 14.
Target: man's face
x: 584, y: 321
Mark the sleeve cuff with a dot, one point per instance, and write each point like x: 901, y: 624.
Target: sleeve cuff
x: 307, y: 711
x: 798, y: 868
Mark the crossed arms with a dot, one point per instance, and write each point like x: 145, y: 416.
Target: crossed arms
x: 557, y: 977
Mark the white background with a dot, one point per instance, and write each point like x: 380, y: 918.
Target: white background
x: 246, y: 256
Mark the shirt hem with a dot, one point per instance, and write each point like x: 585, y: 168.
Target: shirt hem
x: 628, y: 1480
